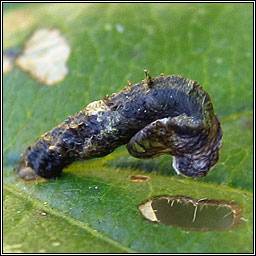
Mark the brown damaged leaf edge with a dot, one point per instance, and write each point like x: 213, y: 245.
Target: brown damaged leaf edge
x: 192, y: 214
x: 162, y: 115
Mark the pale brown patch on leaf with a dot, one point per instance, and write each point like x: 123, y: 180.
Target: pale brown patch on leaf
x: 45, y: 56
x: 139, y: 178
x: 7, y: 64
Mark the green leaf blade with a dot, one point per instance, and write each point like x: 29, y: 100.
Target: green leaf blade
x: 93, y: 206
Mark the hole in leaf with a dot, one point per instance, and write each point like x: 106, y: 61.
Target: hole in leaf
x: 192, y: 214
x: 139, y: 178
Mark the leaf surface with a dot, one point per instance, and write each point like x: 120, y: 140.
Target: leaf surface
x: 93, y: 207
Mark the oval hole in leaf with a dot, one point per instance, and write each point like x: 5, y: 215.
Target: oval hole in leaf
x: 192, y: 214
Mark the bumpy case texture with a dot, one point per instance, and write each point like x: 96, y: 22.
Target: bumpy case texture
x: 161, y: 115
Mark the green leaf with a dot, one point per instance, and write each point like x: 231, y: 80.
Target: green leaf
x: 93, y: 207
